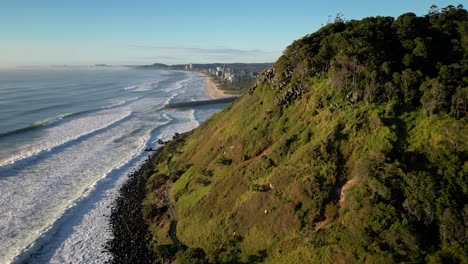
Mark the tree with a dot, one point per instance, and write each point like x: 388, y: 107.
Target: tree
x: 460, y: 103
x: 409, y: 83
x: 433, y: 10
x: 192, y: 256
x: 434, y: 96
x: 166, y: 252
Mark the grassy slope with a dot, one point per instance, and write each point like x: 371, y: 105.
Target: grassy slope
x: 363, y: 182
x: 307, y: 158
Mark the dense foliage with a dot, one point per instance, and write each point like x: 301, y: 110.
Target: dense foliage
x: 353, y: 149
x: 416, y: 61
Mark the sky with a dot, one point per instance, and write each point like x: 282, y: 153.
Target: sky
x: 118, y: 32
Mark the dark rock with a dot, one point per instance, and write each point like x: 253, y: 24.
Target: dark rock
x: 266, y: 77
x: 130, y: 231
x: 353, y: 97
x: 319, y: 105
x: 291, y: 95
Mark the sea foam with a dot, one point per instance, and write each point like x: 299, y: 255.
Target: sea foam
x: 65, y: 133
x: 58, y: 181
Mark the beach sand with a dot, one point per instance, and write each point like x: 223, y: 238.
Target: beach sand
x: 213, y: 90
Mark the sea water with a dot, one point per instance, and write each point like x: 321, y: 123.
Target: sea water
x: 68, y: 139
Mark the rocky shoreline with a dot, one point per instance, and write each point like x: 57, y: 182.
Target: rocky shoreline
x: 130, y: 243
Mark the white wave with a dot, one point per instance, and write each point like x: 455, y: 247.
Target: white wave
x: 122, y: 102
x: 177, y: 89
x: 54, y: 243
x: 51, y: 120
x: 184, y: 120
x: 166, y: 117
x: 63, y: 215
x: 97, y: 230
x: 59, y: 193
x: 176, y: 86
x: 130, y: 87
x: 170, y: 98
x: 148, y: 85
x: 67, y: 132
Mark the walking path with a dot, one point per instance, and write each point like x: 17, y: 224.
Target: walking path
x: 172, y: 229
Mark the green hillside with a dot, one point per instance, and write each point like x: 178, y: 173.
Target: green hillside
x: 353, y: 148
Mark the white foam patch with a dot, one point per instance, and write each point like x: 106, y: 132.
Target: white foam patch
x: 176, y: 86
x: 55, y: 209
x: 121, y: 102
x: 56, y: 184
x: 55, y: 136
x: 130, y: 87
x: 184, y: 121
x: 147, y: 86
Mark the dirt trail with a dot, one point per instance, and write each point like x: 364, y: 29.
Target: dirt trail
x: 172, y: 230
x: 344, y: 189
x: 324, y: 223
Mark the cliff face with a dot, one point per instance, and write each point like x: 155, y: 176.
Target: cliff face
x: 352, y: 148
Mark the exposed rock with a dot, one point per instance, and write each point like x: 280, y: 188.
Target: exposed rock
x: 353, y: 97
x: 131, y: 241
x: 291, y: 95
x: 266, y: 77
x: 319, y: 105
x: 287, y: 77
x: 252, y: 89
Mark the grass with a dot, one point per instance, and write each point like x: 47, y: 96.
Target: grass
x: 308, y: 152
x: 367, y: 165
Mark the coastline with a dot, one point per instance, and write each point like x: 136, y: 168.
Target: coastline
x: 131, y: 239
x: 213, y: 91
x: 131, y: 242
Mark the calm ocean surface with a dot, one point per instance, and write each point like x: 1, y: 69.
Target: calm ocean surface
x: 68, y: 138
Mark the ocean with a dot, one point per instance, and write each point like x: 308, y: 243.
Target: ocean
x: 68, y: 139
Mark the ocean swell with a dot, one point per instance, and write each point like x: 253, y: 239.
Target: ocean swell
x: 65, y: 134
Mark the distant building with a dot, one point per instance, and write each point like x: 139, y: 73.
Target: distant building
x: 190, y: 66
x: 228, y: 74
x: 233, y: 78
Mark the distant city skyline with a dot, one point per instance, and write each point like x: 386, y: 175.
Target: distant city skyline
x: 86, y: 32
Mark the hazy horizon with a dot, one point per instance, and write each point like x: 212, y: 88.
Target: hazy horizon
x: 177, y: 32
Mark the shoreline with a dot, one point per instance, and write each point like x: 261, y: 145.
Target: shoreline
x: 131, y: 241
x: 213, y: 91
x: 131, y: 238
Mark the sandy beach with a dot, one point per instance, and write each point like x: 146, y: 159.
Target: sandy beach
x: 213, y: 90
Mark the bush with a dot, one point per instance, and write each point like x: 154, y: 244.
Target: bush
x: 166, y: 252
x: 192, y: 256
x: 224, y: 161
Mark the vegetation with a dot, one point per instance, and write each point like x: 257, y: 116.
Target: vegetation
x: 353, y: 150
x: 234, y: 87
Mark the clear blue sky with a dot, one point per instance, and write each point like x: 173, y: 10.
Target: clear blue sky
x: 81, y: 32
